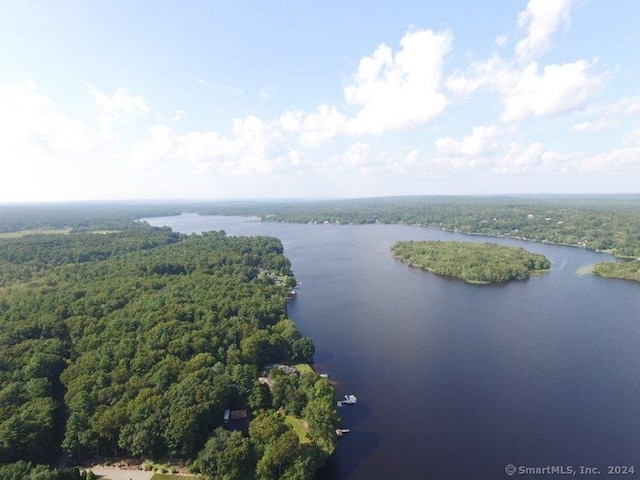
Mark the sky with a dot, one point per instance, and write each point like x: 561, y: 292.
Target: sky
x: 108, y: 100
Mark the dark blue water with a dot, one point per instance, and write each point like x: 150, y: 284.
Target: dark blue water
x: 456, y: 381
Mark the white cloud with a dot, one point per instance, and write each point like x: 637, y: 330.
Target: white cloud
x: 518, y: 159
x: 392, y: 91
x: 528, y: 92
x: 42, y: 148
x: 526, y: 88
x: 251, y: 147
x: 558, y: 88
x: 314, y: 128
x: 493, y: 73
x: 598, y: 126
x: 626, y: 106
x: 541, y: 19
x: 160, y: 143
x: 615, y: 160
x: 115, y: 108
x: 358, y: 155
x: 401, y: 90
x: 480, y: 141
x: 119, y: 105
x: 31, y: 126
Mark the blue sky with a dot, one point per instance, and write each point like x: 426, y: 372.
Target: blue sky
x: 250, y: 99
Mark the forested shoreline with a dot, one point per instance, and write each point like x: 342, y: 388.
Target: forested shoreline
x: 136, y: 342
x: 472, y: 262
x: 608, y: 223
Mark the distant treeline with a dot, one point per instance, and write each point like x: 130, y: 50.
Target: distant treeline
x: 135, y: 343
x: 603, y: 222
x: 608, y: 223
x: 82, y: 216
x: 471, y: 262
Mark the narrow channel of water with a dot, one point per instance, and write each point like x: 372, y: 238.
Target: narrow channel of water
x: 456, y: 380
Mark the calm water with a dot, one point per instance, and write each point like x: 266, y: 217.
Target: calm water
x: 456, y: 381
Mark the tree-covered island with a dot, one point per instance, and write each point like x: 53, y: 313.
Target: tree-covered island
x: 472, y: 262
x: 136, y: 343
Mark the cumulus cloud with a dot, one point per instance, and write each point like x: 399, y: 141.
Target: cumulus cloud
x: 615, y: 160
x: 31, y: 125
x: 42, y: 147
x: 493, y: 74
x: 390, y: 92
x: 520, y: 159
x: 541, y: 19
x: 314, y: 128
x: 252, y: 147
x: 118, y: 105
x: 556, y: 89
x: 526, y: 88
x: 401, y: 90
x: 480, y: 141
x: 528, y: 91
x: 159, y: 144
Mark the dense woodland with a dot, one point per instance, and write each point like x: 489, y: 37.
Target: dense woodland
x: 133, y: 340
x: 135, y: 343
x: 609, y: 223
x: 471, y: 262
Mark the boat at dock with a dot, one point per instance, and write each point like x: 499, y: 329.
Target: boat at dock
x: 348, y: 400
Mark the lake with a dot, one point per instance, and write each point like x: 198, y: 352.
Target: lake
x: 457, y: 381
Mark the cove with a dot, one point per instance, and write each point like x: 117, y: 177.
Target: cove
x: 456, y: 380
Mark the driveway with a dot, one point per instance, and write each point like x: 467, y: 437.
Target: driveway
x: 112, y: 473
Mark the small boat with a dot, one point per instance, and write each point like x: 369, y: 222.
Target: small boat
x: 341, y: 431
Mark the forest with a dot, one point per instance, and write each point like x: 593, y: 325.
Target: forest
x: 134, y: 343
x: 472, y: 262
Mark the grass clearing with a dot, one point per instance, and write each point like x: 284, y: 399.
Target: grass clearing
x: 299, y: 426
x: 304, y: 368
x: 41, y: 231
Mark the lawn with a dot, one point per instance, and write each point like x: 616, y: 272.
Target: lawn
x: 304, y: 368
x: 299, y: 426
